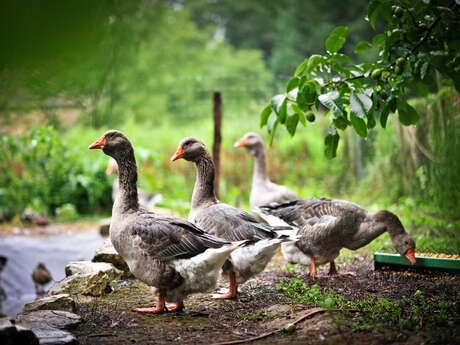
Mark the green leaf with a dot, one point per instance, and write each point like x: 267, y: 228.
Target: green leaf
x: 359, y: 125
x: 292, y: 84
x: 407, y: 114
x: 378, y: 40
x: 307, y: 94
x: 265, y: 115
x: 336, y: 40
x: 299, y: 112
x: 331, y: 142
x: 332, y: 100
x: 276, y: 102
x: 423, y: 70
x: 282, y: 115
x: 384, y: 115
x: 341, y: 122
x: 360, y: 104
x: 373, y: 12
x: 272, y: 125
x: 301, y: 67
x: 291, y: 124
x: 362, y: 47
x: 313, y: 63
x: 371, y: 120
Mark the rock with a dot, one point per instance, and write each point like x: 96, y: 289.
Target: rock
x: 90, y: 284
x: 76, y: 267
x: 29, y: 216
x: 56, y: 302
x: 12, y: 334
x: 107, y: 253
x: 7, y: 329
x: 52, y: 318
x: 53, y: 336
x: 104, y: 227
x: 283, y: 309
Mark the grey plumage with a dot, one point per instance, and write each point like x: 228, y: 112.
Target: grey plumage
x: 263, y: 191
x: 170, y: 254
x: 328, y: 225
x: 226, y: 221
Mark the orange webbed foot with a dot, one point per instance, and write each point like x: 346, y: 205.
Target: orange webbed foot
x: 153, y: 310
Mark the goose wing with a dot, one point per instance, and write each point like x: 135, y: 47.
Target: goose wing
x: 166, y: 238
x: 233, y: 223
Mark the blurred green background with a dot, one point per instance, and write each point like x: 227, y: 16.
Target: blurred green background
x: 69, y: 70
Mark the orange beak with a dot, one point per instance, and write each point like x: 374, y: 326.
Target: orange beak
x: 98, y: 144
x: 410, y: 255
x: 110, y: 169
x: 239, y: 143
x: 179, y: 154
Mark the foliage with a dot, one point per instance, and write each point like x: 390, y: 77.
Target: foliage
x: 419, y: 39
x: 39, y: 171
x: 397, y: 318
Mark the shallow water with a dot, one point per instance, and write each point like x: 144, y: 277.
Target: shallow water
x: 24, y: 253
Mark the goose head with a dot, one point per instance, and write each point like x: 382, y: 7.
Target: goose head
x: 190, y: 149
x: 403, y: 243
x: 113, y: 143
x: 252, y: 142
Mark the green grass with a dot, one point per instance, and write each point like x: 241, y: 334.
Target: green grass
x: 396, y: 318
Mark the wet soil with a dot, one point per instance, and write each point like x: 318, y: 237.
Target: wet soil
x: 261, y: 307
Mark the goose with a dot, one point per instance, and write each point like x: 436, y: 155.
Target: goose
x: 263, y: 191
x: 328, y: 225
x: 41, y: 276
x: 228, y: 222
x: 172, y: 255
x: 146, y: 200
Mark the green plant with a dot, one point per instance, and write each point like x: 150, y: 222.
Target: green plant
x: 419, y: 39
x: 40, y: 170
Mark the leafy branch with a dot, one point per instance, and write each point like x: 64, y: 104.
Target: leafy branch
x: 358, y: 95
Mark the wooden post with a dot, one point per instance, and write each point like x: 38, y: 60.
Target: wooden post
x: 217, y: 111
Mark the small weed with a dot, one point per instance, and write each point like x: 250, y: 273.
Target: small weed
x: 395, y: 318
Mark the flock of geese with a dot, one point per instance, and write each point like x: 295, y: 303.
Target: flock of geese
x: 178, y: 257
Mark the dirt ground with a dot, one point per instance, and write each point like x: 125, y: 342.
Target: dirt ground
x: 261, y: 307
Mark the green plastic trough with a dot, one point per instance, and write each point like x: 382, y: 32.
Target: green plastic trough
x: 385, y: 259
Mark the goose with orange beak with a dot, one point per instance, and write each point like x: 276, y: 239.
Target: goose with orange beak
x: 263, y: 191
x: 228, y: 222
x: 172, y: 255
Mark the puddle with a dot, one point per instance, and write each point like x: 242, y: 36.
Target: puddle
x: 24, y: 253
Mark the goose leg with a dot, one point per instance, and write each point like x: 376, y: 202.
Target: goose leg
x: 333, y: 271
x: 313, y: 272
x: 159, y: 308
x: 232, y: 291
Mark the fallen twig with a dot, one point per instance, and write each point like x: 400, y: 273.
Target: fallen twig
x: 303, y: 317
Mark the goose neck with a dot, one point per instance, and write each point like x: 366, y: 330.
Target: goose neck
x: 204, y: 184
x: 126, y: 199
x: 260, y: 167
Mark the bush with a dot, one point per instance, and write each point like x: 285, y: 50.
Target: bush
x: 40, y: 166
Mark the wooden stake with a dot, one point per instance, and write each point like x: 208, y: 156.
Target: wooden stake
x: 217, y: 111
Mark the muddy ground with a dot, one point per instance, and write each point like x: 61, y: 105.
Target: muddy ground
x: 261, y: 307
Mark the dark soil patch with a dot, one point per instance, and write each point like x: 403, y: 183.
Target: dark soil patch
x: 260, y: 308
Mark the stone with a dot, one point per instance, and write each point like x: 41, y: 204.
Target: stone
x: 55, y: 302
x: 53, y: 318
x: 12, y: 334
x: 104, y: 227
x: 107, y: 253
x: 89, y: 284
x: 53, y: 336
x: 76, y: 267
